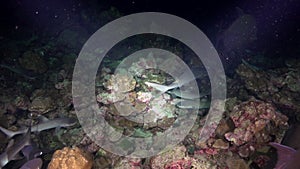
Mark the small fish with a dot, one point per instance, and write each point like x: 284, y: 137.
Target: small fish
x: 192, y: 104
x: 45, y: 124
x: 13, y: 149
x: 288, y: 158
x: 187, y: 94
x: 162, y: 88
x: 35, y: 163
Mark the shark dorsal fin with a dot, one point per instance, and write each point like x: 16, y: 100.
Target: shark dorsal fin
x: 42, y: 119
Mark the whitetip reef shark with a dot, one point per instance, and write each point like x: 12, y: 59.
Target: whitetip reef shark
x: 45, y: 124
x: 185, y: 78
x: 17, y: 71
x: 14, y: 148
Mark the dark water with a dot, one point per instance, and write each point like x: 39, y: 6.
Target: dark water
x: 40, y: 41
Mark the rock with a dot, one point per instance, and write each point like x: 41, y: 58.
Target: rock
x: 121, y: 83
x: 33, y: 61
x: 255, y: 121
x: 22, y: 102
x: 132, y: 163
x: 202, y: 164
x: 280, y: 86
x: 42, y: 105
x: 72, y: 37
x: 102, y: 162
x: 224, y: 127
x: 221, y: 144
x: 161, y: 160
x: 237, y: 164
x: 71, y: 158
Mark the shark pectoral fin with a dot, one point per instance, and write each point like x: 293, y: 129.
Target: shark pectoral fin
x: 9, y: 133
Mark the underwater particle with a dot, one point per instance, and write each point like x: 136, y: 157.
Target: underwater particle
x: 74, y: 158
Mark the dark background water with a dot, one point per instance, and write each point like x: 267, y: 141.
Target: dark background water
x: 277, y: 20
x: 276, y: 35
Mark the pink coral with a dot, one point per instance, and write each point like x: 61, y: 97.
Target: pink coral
x: 179, y: 164
x: 250, y: 119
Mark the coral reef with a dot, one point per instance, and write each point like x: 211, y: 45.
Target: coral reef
x: 71, y: 158
x: 132, y: 163
x: 42, y: 105
x: 280, y: 86
x: 177, y: 159
x: 246, y: 129
x: 254, y: 121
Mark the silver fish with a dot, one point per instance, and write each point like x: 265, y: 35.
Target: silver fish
x: 44, y: 125
x: 13, y: 149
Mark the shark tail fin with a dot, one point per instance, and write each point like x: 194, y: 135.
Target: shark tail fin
x: 9, y: 133
x: 284, y: 154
